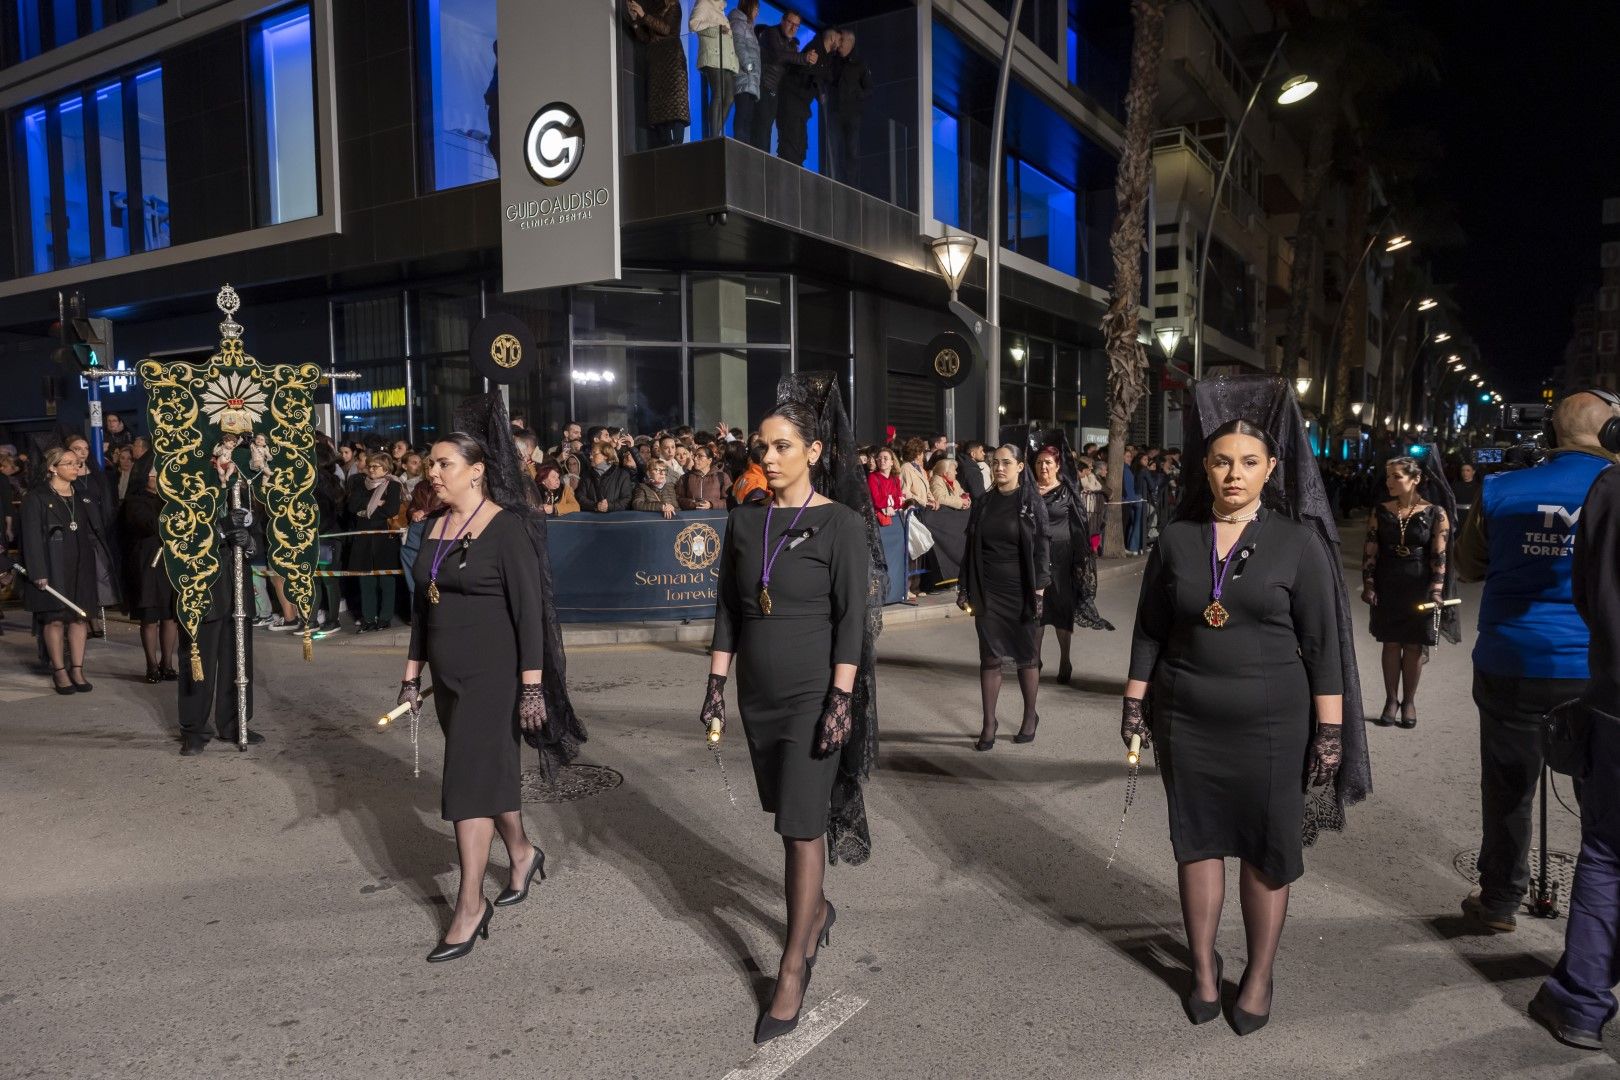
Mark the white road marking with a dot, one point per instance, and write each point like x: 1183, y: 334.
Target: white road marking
x: 779, y: 1055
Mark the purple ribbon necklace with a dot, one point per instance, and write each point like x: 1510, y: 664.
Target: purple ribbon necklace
x: 1216, y: 614
x: 444, y: 548
x: 770, y: 559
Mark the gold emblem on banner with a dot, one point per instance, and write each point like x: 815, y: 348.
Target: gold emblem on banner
x: 947, y: 362
x: 506, y: 350
x: 697, y: 546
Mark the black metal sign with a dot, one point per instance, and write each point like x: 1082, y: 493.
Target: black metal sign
x: 503, y: 349
x: 950, y: 358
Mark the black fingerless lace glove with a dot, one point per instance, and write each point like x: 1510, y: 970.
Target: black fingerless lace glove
x: 837, y: 720
x: 1133, y: 721
x: 410, y: 692
x: 532, y: 707
x: 1327, y: 753
x: 714, y: 703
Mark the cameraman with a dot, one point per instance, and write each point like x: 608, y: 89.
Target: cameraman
x: 1578, y: 999
x: 1531, y: 648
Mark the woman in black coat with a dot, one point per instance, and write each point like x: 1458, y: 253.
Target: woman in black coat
x: 64, y: 546
x: 1003, y: 582
x: 374, y: 499
x: 151, y: 599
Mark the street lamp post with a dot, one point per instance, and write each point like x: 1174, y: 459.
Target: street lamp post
x: 1395, y: 243
x: 954, y: 254
x: 1295, y: 89
x: 992, y: 303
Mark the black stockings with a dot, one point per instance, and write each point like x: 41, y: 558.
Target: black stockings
x: 805, y: 872
x: 160, y: 640
x: 473, y: 837
x: 1402, y: 664
x: 64, y: 645
x: 1029, y: 681
x: 1265, y: 908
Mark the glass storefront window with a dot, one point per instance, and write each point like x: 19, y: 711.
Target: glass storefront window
x: 284, y: 117
x: 640, y: 307
x: 1012, y: 404
x: 738, y: 307
x: 114, y: 186
x: 636, y: 388
x: 460, y: 124
x: 736, y: 386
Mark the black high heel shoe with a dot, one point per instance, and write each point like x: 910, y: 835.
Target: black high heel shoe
x: 447, y: 951
x: 79, y: 687
x: 1408, y: 722
x: 1391, y: 714
x: 984, y: 743
x: 169, y: 674
x: 1247, y: 1023
x: 153, y: 675
x: 1065, y: 673
x: 826, y: 933
x: 769, y: 1027
x: 537, y: 865
x: 65, y: 691
x: 1200, y: 1011
x: 1029, y: 736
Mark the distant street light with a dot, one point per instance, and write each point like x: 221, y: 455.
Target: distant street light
x: 1296, y: 88
x: 1356, y: 407
x: 1169, y: 336
x: 1302, y: 384
x: 1017, y: 354
x: 1428, y: 303
x: 1441, y: 336
x: 1398, y: 241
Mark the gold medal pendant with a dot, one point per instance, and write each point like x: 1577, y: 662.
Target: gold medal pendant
x: 433, y: 592
x: 764, y: 600
x: 1216, y: 615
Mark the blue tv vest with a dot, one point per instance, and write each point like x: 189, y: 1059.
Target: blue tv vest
x: 1528, y: 626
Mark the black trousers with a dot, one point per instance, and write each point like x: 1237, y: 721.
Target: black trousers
x: 742, y: 117
x: 792, y: 136
x: 845, y: 132
x: 764, y: 119
x: 1510, y: 711
x: 216, y: 694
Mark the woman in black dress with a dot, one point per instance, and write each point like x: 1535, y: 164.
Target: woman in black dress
x: 479, y: 623
x: 1004, y: 576
x: 795, y: 572
x: 151, y: 599
x: 373, y: 500
x: 64, y: 546
x: 1404, y: 565
x: 1071, y: 598
x: 1237, y: 638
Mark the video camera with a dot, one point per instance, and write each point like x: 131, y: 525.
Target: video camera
x: 1520, y: 442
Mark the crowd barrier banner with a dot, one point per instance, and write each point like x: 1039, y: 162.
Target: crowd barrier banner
x: 631, y: 566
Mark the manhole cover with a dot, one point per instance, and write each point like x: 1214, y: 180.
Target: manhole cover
x: 1560, y: 869
x: 572, y: 783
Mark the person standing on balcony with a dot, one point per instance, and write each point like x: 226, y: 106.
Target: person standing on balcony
x: 717, y: 60
x: 779, y: 57
x: 744, y: 41
x: 658, y: 24
x: 846, y: 99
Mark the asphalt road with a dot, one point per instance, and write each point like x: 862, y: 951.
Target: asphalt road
x: 246, y: 915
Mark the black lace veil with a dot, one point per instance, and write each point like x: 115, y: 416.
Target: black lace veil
x: 1296, y: 490
x: 839, y: 476
x: 1084, y: 568
x: 483, y: 416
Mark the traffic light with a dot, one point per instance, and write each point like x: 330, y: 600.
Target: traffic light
x: 86, y: 343
x: 1485, y: 398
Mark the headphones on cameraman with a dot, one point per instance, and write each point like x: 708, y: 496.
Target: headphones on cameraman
x: 1608, y: 435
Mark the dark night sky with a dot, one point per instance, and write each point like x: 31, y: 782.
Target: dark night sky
x: 1528, y: 114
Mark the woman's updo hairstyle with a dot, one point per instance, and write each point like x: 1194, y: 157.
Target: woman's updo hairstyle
x: 1243, y: 427
x: 1014, y: 449
x: 471, y: 450
x: 800, y: 415
x: 1406, y: 466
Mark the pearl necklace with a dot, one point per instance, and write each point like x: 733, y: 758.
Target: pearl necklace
x: 1233, y: 519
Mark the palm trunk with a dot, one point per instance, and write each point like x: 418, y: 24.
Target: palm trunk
x: 1127, y: 360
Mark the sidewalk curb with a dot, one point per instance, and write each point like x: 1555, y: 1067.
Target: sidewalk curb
x: 930, y: 608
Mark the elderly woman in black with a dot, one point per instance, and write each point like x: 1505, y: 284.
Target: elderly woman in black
x: 1071, y: 597
x: 1003, y: 582
x: 795, y: 574
x: 1237, y: 636
x: 151, y: 599
x: 374, y: 498
x: 1404, y: 565
x: 64, y: 546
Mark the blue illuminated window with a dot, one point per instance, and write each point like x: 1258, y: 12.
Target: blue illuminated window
x: 154, y: 159
x: 114, y: 185
x: 75, y: 180
x: 37, y: 185
x: 461, y: 122
x: 947, y: 165
x: 1041, y: 217
x: 284, y: 118
x: 31, y: 27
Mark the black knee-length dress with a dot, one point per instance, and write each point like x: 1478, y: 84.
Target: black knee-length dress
x: 1231, y: 707
x: 1403, y: 581
x: 486, y: 630
x: 63, y: 540
x: 1007, y: 560
x: 785, y: 660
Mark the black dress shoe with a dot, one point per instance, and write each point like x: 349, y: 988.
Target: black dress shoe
x: 1027, y: 736
x: 153, y: 675
x: 1065, y: 673
x: 1247, y: 1023
x: 81, y: 685
x: 1408, y: 722
x: 826, y: 934
x: 169, y: 674
x: 447, y: 951
x: 193, y: 746
x: 1200, y: 1011
x: 769, y: 1027
x: 65, y: 691
x: 537, y: 865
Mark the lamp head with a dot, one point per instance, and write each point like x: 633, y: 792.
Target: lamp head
x: 953, y: 254
x: 1296, y: 88
x: 1302, y: 385
x: 1397, y: 242
x: 1169, y: 336
x: 1428, y: 303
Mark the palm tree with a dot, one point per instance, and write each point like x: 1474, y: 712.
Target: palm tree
x: 1127, y: 360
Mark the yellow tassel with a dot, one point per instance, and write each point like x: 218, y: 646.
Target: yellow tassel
x: 309, y: 646
x: 196, y: 664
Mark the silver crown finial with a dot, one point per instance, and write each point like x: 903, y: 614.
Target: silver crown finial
x: 228, y: 302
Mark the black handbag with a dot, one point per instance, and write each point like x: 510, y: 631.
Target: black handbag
x: 1566, y: 734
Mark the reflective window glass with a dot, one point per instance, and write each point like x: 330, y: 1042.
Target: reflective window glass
x: 456, y: 51
x: 284, y: 114
x: 636, y: 388
x: 37, y: 173
x: 639, y: 307
x: 738, y: 307
x: 734, y: 386
x: 75, y: 180
x: 114, y: 186
x: 947, y: 166
x: 154, y: 158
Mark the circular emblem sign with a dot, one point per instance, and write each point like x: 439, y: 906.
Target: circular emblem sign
x: 950, y: 358
x: 502, y: 349
x: 697, y: 546
x: 554, y: 143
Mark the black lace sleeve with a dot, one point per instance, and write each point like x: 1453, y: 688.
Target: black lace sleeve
x: 1369, y: 553
x: 1439, y: 553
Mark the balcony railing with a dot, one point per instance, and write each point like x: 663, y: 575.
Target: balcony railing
x: 1241, y: 203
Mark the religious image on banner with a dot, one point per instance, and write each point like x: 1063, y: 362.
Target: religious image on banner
x: 259, y: 418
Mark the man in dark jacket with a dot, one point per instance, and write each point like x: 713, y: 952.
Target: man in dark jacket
x: 778, y: 52
x: 606, y: 486
x: 846, y: 99
x: 799, y: 89
x: 215, y: 695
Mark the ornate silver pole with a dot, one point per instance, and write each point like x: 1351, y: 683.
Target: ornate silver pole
x: 239, y: 617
